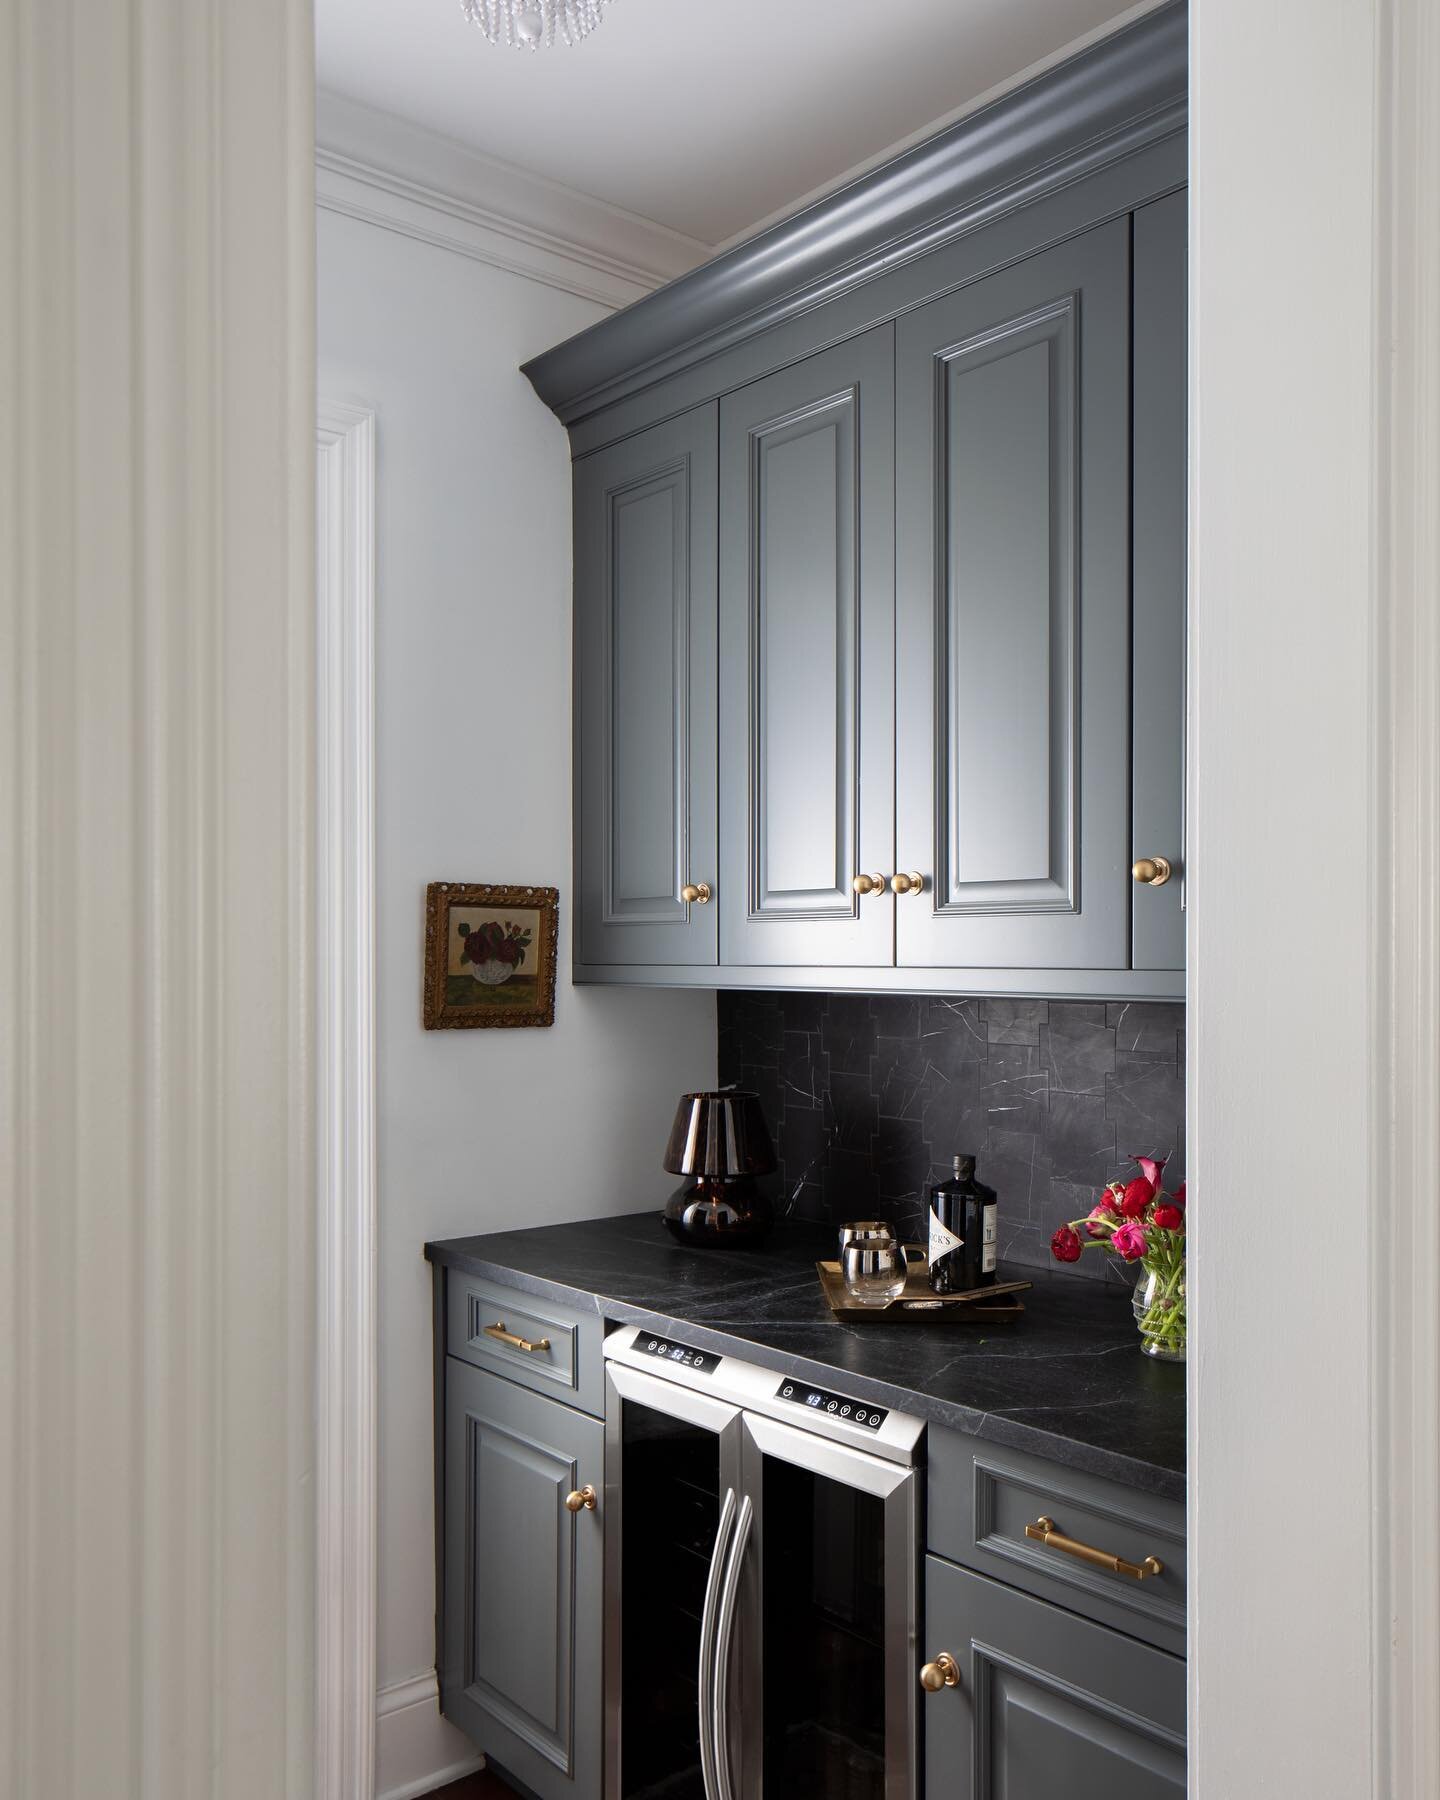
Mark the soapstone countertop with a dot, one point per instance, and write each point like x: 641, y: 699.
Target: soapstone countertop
x: 1066, y: 1382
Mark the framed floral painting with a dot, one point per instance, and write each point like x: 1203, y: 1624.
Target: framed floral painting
x: 489, y: 955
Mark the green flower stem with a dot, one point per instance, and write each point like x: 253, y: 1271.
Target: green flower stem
x: 1164, y: 1321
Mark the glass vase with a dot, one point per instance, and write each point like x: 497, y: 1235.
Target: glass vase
x: 1159, y: 1304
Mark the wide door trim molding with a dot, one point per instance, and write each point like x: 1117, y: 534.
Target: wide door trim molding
x: 346, y: 1346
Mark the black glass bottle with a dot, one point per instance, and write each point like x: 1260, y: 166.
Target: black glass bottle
x: 962, y: 1231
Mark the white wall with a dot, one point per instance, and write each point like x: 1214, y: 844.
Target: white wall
x: 480, y: 1129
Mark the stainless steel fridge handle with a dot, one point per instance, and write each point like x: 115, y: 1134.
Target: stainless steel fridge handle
x: 707, y: 1645
x: 725, y: 1630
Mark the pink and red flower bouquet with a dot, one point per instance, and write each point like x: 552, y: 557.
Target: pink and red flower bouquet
x: 1138, y: 1221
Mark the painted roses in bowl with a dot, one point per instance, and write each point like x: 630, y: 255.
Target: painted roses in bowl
x: 1139, y: 1222
x: 493, y: 951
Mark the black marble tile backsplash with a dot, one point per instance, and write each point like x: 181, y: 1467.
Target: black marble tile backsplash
x: 869, y: 1097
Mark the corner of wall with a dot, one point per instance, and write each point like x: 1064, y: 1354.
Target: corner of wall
x: 417, y: 1749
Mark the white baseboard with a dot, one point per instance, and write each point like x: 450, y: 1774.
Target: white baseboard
x: 416, y: 1749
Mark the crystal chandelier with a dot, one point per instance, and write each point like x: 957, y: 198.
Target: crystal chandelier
x: 527, y: 24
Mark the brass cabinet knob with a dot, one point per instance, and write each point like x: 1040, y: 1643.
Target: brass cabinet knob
x: 1152, y: 871
x: 696, y: 893
x: 582, y: 1499
x: 942, y: 1673
x: 869, y: 884
x: 907, y: 884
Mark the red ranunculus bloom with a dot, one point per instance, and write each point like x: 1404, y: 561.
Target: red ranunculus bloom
x: 1065, y: 1246
x: 1169, y: 1218
x: 1178, y: 1197
x: 1137, y: 1196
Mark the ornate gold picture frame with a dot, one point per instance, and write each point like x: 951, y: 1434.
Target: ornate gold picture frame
x: 489, y: 955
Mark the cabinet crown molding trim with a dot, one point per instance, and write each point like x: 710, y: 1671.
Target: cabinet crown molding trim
x: 385, y: 171
x: 1128, y: 91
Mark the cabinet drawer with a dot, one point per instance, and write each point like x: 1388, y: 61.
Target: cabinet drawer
x: 547, y: 1346
x: 982, y: 1496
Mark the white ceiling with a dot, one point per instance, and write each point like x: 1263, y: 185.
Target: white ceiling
x: 705, y: 116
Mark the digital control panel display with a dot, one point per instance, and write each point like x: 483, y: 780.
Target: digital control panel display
x: 835, y: 1406
x: 703, y: 1362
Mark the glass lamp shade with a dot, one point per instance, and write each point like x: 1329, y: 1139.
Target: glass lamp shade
x: 719, y: 1141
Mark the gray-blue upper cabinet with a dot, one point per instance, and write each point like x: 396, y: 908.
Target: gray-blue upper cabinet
x: 806, y: 660
x: 1013, y: 615
x: 880, y: 570
x: 1157, y: 718
x: 645, y: 696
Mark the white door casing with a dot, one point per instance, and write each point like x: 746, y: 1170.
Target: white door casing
x: 347, y: 1348
x: 1314, y: 956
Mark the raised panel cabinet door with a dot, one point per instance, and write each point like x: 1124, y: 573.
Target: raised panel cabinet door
x: 1047, y: 1704
x: 522, y: 1659
x: 807, y: 660
x: 1013, y: 615
x: 1161, y: 524
x: 645, y: 788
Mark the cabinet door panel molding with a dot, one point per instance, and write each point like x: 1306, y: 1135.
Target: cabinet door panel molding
x: 806, y: 670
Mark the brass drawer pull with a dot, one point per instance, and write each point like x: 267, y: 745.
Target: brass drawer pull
x: 1043, y: 1531
x: 503, y: 1336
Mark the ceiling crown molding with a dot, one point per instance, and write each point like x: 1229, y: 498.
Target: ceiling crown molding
x: 373, y: 166
x: 1126, y: 92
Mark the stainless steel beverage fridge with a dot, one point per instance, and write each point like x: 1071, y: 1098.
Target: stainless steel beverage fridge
x: 760, y: 1583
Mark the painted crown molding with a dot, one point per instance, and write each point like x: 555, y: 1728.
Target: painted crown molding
x: 1124, y: 93
x: 373, y: 166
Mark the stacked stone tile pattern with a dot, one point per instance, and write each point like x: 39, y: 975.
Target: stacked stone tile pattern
x: 869, y: 1096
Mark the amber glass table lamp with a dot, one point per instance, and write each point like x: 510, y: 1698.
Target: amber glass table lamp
x: 719, y: 1143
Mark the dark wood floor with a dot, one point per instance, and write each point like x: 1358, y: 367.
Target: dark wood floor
x: 483, y: 1786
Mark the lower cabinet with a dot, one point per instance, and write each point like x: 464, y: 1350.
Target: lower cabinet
x: 523, y: 1572
x: 1052, y: 1675
x: 1046, y: 1704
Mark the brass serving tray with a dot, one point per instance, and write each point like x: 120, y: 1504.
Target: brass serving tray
x: 916, y: 1304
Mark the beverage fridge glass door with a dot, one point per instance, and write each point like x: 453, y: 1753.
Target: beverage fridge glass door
x: 827, y: 1603
x: 672, y: 1478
